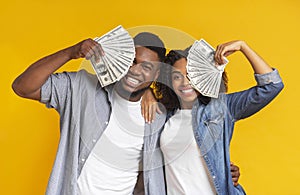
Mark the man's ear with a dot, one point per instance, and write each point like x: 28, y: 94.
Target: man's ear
x: 157, y: 74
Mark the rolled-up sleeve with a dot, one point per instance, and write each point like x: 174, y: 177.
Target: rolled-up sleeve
x: 56, y: 91
x: 271, y: 77
x: 245, y: 103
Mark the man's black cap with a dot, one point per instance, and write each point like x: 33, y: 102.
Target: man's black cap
x: 152, y: 42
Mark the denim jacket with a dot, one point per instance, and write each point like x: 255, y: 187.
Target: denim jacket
x: 213, y: 126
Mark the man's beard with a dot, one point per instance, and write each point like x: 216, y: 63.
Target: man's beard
x: 135, y: 96
x: 138, y: 92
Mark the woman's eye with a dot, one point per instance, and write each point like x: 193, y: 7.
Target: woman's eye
x: 176, y: 77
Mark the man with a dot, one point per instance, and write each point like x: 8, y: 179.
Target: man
x: 71, y: 95
x: 103, y: 135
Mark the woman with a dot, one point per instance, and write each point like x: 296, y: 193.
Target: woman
x: 196, y: 137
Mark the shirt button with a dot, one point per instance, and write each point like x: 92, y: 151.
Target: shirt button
x: 82, y: 159
x: 93, y: 140
x: 214, y: 177
x: 106, y: 122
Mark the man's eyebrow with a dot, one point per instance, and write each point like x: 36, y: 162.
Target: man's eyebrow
x: 147, y: 63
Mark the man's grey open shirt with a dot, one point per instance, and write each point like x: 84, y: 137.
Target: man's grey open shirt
x: 84, y: 109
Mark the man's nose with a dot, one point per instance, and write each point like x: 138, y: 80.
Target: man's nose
x: 135, y: 69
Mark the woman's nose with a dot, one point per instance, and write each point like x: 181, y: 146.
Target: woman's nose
x: 186, y: 81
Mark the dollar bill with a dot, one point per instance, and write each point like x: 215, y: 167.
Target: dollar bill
x: 119, y: 53
x: 203, y: 72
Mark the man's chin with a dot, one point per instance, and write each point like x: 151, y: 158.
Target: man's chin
x: 138, y: 92
x: 129, y: 88
x: 129, y: 91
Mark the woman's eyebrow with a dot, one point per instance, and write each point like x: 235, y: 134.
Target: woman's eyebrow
x: 176, y: 72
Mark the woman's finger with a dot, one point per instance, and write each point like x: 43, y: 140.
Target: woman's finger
x: 158, y: 110
x: 153, y: 112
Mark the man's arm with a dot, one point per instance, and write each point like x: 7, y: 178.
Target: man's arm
x: 235, y: 173
x: 29, y: 83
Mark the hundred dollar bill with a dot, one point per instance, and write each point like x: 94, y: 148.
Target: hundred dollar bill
x: 203, y: 72
x: 119, y: 53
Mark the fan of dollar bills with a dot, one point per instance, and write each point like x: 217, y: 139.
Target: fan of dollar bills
x: 202, y: 71
x: 119, y: 53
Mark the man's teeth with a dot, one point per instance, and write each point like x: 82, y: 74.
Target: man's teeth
x: 187, y: 91
x: 132, y: 80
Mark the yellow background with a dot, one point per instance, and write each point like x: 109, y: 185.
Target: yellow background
x: 265, y: 146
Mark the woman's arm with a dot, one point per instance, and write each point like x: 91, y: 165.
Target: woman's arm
x: 245, y: 103
x: 258, y: 64
x: 149, y: 106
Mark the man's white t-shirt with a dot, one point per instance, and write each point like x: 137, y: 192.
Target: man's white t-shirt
x: 113, y: 165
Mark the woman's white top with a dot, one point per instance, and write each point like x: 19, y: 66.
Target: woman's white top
x: 186, y: 171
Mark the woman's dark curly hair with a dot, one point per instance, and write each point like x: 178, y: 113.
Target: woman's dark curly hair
x: 164, y: 87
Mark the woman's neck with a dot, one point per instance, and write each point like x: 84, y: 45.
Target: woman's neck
x: 187, y: 105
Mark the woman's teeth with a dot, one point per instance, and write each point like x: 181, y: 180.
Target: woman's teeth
x: 187, y: 90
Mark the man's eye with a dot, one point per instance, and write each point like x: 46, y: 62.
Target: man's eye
x: 146, y: 67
